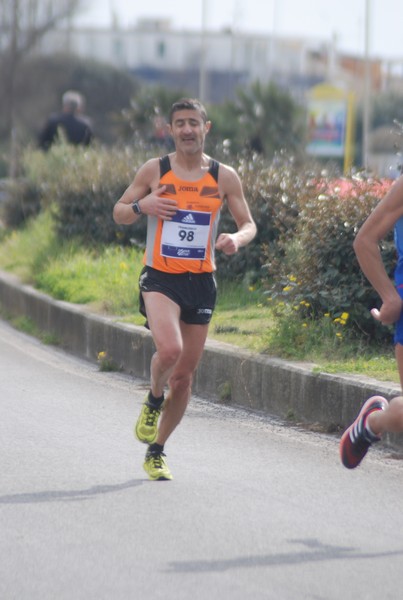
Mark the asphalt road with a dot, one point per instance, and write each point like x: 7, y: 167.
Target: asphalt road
x: 257, y: 509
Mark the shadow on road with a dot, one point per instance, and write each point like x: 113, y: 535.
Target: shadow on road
x: 317, y: 552
x: 69, y: 495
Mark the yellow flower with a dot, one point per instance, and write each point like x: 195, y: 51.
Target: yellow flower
x: 304, y: 324
x: 337, y: 320
x: 292, y: 278
x: 251, y: 288
x: 344, y: 316
x: 339, y: 335
x: 287, y: 288
x: 123, y: 266
x: 101, y: 355
x: 326, y: 315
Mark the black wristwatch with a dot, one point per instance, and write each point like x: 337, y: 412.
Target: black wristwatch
x: 136, y: 207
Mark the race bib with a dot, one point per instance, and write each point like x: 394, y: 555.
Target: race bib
x: 186, y: 235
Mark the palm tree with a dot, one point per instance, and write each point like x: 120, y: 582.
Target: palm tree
x: 270, y: 120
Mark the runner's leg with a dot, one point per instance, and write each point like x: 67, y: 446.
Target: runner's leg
x: 180, y: 381
x: 390, y: 419
x: 163, y: 319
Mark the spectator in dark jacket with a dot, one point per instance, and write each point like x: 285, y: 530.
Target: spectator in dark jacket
x: 70, y: 123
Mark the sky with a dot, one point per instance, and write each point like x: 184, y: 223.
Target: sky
x: 345, y: 21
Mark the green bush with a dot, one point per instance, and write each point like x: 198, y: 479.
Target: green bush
x: 273, y: 193
x: 22, y: 201
x: 82, y: 185
x: 320, y: 272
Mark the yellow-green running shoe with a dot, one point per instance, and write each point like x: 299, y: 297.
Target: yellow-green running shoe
x: 146, y: 428
x: 156, y: 467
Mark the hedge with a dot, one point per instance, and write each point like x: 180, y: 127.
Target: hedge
x: 306, y: 221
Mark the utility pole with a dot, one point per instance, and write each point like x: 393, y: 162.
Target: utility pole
x: 273, y: 41
x: 202, y: 71
x: 367, y: 87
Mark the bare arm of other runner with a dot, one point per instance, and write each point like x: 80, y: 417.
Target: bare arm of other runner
x: 366, y: 247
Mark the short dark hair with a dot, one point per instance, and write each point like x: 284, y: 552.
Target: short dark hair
x: 188, y: 104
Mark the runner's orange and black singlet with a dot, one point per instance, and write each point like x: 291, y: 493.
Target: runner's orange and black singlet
x: 186, y: 243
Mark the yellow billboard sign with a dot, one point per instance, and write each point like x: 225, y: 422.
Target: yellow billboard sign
x: 330, y: 123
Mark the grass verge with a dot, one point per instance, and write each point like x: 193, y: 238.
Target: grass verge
x: 106, y: 280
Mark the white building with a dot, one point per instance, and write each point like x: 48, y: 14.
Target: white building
x: 155, y: 53
x: 212, y: 65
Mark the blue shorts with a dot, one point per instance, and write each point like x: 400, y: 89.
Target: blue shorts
x: 398, y: 339
x: 195, y: 293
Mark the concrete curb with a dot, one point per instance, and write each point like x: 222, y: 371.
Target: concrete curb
x: 226, y: 373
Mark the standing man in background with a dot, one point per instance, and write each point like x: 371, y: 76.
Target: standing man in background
x: 70, y: 123
x: 181, y: 194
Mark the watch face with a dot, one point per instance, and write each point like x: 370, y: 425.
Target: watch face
x: 136, y: 208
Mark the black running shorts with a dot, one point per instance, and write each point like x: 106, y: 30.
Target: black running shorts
x: 195, y: 293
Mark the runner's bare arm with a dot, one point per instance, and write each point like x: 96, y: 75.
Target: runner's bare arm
x: 366, y: 247
x: 144, y: 189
